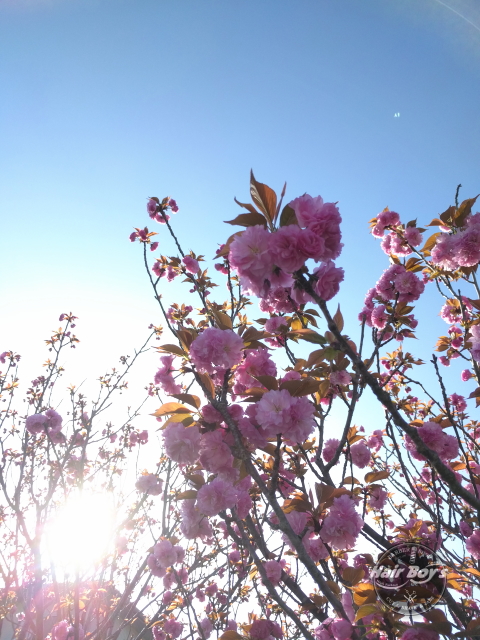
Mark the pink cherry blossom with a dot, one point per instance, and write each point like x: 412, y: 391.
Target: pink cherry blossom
x: 265, y: 630
x: 173, y: 627
x: 340, y: 377
x: 191, y: 265
x: 273, y: 570
x: 250, y: 256
x: 305, y: 208
x: 458, y: 402
x: 473, y: 544
x: 328, y: 280
x: 193, y: 523
x: 164, y: 377
x: 273, y: 324
x: 329, y: 449
x: 342, y: 524
x: 215, y: 348
x: 256, y: 363
x: 216, y: 496
x: 279, y: 412
x: 182, y: 443
x: 166, y: 554
x: 419, y: 633
x: 466, y: 375
x: 360, y: 454
x: 150, y: 484
x: 215, y: 455
x: 378, y: 498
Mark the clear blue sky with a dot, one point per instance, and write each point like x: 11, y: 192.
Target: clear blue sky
x: 106, y: 102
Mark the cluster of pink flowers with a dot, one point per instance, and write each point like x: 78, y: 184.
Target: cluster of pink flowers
x: 378, y: 498
x: 400, y: 244
x: 191, y: 265
x: 194, y: 523
x: 164, y: 555
x: 138, y: 437
x: 273, y: 569
x: 182, y: 443
x: 65, y: 631
x: 154, y: 209
x: 334, y: 629
x: 475, y: 340
x: 216, y: 496
x: 215, y: 455
x: 265, y: 261
x: 256, y: 363
x: 419, y: 633
x: 452, y: 312
x: 396, y: 283
x: 473, y: 544
x: 164, y: 377
x: 342, y: 524
x: 279, y: 412
x: 360, y: 454
x: 150, y: 484
x: 215, y: 350
x: 461, y: 249
x: 436, y: 439
x: 49, y: 422
x: 265, y: 630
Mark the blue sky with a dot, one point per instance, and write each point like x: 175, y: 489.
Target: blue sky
x: 107, y: 102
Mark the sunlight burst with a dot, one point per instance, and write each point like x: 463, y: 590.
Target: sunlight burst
x: 81, y: 534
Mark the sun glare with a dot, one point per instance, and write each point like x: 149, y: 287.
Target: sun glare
x: 81, y: 533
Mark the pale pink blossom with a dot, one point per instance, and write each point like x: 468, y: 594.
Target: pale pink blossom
x: 385, y: 219
x: 215, y: 455
x: 149, y: 484
x: 191, y: 265
x: 265, y: 630
x: 342, y: 524
x: 360, y: 454
x: 315, y: 547
x: 375, y: 441
x: 419, y: 633
x: 473, y: 544
x: 211, y: 415
x: 285, y: 248
x: 193, y: 523
x: 215, y: 348
x: 465, y: 528
x: 273, y: 324
x: 250, y: 256
x: 273, y: 569
x: 207, y: 627
x: 216, y: 496
x: 164, y: 377
x: 434, y: 437
x: 256, y: 363
x: 182, y: 443
x: 305, y: 208
x: 378, y: 498
x: 340, y: 377
x: 279, y: 412
x: 173, y: 627
x: 329, y: 449
x: 60, y: 630
x: 458, y: 402
x: 328, y: 280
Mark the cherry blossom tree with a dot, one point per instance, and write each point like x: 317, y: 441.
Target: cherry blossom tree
x: 269, y: 504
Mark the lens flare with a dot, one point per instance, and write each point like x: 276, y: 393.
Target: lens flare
x: 81, y: 533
